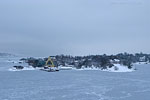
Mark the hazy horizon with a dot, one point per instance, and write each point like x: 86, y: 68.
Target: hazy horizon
x: 74, y: 27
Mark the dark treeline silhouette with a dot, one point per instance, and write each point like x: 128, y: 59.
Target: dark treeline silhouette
x: 99, y: 61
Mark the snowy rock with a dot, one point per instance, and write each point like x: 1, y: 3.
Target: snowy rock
x: 119, y: 68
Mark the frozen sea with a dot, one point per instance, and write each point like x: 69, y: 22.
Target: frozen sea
x: 73, y: 84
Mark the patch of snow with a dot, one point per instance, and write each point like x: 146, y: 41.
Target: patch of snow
x: 64, y: 68
x: 89, y: 68
x: 117, y: 60
x: 119, y: 68
x: 115, y: 68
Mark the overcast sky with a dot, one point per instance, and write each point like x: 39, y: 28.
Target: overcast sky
x: 76, y: 27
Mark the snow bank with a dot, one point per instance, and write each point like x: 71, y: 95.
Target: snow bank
x: 115, y: 68
x: 119, y: 68
x: 65, y: 68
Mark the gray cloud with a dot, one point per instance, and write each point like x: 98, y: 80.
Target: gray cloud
x: 77, y: 27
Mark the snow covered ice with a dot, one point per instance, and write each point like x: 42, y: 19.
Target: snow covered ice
x: 74, y: 84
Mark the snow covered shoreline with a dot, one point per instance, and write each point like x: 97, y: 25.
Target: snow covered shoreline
x: 115, y: 68
x: 119, y: 68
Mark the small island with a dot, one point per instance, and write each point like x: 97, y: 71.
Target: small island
x: 122, y: 62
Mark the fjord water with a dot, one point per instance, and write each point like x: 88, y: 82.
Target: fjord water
x: 74, y: 84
